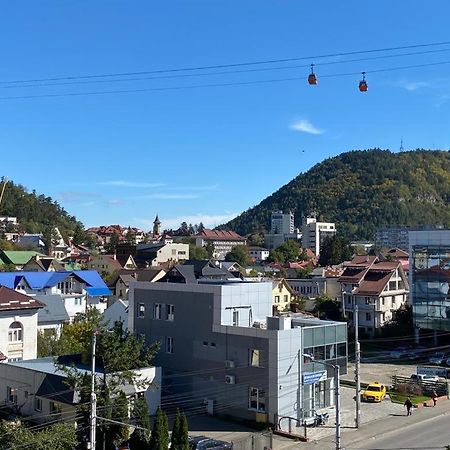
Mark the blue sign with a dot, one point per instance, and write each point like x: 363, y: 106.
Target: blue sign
x: 314, y: 377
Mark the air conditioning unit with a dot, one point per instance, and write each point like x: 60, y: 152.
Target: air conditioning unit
x: 229, y: 379
x: 229, y: 364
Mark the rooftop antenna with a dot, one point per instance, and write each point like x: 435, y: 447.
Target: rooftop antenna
x: 401, y: 145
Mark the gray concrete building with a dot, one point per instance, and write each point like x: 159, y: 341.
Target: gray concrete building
x: 223, y: 353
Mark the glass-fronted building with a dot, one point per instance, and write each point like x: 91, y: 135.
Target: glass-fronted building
x: 429, y: 276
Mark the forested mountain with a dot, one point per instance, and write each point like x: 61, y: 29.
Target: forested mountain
x: 362, y: 191
x: 36, y: 213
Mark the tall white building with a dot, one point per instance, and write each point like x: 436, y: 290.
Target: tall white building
x: 313, y: 233
x: 282, y: 223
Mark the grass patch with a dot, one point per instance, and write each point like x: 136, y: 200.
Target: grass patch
x: 415, y: 399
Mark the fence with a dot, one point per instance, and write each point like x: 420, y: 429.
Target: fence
x: 255, y: 441
x: 407, y: 386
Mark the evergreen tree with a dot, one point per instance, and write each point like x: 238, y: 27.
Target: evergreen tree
x: 140, y: 439
x: 184, y: 434
x: 334, y: 250
x: 118, y: 434
x: 175, y: 438
x: 238, y: 254
x: 160, y: 434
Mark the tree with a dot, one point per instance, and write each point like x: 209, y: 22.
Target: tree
x: 78, y: 237
x: 334, y: 250
x: 51, y: 238
x: 176, y: 429
x: 327, y: 308
x: 287, y: 252
x: 200, y: 227
x: 210, y: 249
x: 197, y: 253
x: 112, y: 244
x: 184, y: 229
x: 256, y: 240
x: 401, y: 323
x: 140, y: 439
x: 160, y: 433
x: 184, y: 434
x: 238, y: 254
x: 118, y: 434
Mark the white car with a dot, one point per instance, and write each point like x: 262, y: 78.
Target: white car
x: 419, y: 377
x: 438, y: 358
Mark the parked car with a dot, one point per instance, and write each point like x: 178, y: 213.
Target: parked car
x: 419, y: 377
x: 437, y: 358
x: 205, y: 443
x: 375, y: 392
x: 417, y: 353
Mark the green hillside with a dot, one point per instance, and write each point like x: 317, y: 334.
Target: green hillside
x: 36, y: 213
x: 362, y: 191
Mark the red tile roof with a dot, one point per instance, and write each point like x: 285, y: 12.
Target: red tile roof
x: 13, y: 300
x: 223, y: 235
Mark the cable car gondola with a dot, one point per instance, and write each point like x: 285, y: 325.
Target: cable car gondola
x: 363, y: 87
x: 312, y: 79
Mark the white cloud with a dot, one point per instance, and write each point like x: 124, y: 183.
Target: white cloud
x: 165, y: 196
x: 209, y: 220
x: 130, y: 184
x: 413, y: 85
x: 305, y: 126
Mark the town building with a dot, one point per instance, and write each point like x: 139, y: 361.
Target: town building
x: 391, y: 237
x: 121, y: 284
x: 38, y: 388
x: 166, y: 252
x: 31, y: 241
x: 194, y: 270
x: 117, y: 312
x: 18, y: 325
x: 43, y: 264
x: 281, y: 230
x: 106, y: 265
x: 18, y: 258
x: 378, y: 288
x: 282, y: 296
x: 222, y: 350
x: 258, y: 254
x: 313, y: 233
x: 222, y: 241
x: 429, y: 278
x: 53, y: 316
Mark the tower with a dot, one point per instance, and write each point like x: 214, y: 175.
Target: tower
x: 156, y: 226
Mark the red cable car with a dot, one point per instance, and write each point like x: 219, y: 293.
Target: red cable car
x: 363, y: 87
x: 312, y: 79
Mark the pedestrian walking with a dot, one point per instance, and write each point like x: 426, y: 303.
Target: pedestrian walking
x: 408, y: 404
x: 434, y: 398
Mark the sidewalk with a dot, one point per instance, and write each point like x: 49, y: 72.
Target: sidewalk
x: 372, y: 430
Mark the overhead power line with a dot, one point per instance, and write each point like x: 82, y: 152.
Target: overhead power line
x: 213, y: 85
x: 240, y: 64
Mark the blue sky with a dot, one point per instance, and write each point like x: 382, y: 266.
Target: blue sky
x: 206, y: 154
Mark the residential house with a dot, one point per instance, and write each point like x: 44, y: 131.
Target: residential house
x: 378, y: 288
x: 106, y: 265
x: 38, y: 388
x: 222, y: 241
x: 77, y: 289
x: 121, y: 284
x: 282, y: 295
x: 53, y: 316
x: 193, y: 270
x: 18, y: 325
x: 127, y: 262
x: 32, y: 241
x: 117, y: 312
x: 234, y: 358
x: 258, y: 254
x: 43, y: 264
x: 164, y: 252
x: 18, y: 258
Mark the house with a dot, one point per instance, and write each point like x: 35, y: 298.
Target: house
x: 32, y: 241
x: 193, y: 270
x: 18, y: 325
x: 18, y: 258
x: 104, y: 264
x: 166, y: 251
x: 59, y: 248
x: 127, y: 262
x: 223, y: 352
x: 282, y: 295
x: 53, y: 316
x: 43, y: 264
x: 322, y: 281
x: 121, y: 284
x: 222, y: 241
x: 77, y: 289
x: 38, y: 388
x: 378, y: 288
x: 117, y: 312
x: 258, y: 254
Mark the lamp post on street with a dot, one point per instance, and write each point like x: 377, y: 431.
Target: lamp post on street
x: 336, y: 370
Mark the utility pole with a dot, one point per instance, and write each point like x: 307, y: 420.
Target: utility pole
x: 357, y: 370
x: 338, y: 406
x: 93, y: 443
x: 4, y: 180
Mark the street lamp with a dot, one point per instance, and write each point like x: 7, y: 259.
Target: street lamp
x: 336, y: 370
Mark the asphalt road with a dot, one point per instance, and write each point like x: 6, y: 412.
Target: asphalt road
x: 431, y: 434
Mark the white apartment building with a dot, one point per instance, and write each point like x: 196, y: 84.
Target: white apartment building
x: 313, y: 233
x: 258, y: 254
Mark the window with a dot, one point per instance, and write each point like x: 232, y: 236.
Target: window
x: 213, y: 344
x: 256, y: 357
x: 392, y: 286
x: 277, y: 299
x: 330, y: 351
x: 37, y: 404
x: 169, y: 344
x: 368, y: 300
x: 235, y: 318
x: 382, y: 301
x: 286, y: 298
x: 170, y: 312
x: 319, y: 353
x: 368, y: 316
x: 256, y: 399
x: 11, y: 395
x: 205, y: 343
x: 141, y: 310
x: 15, y: 333
x: 77, y: 301
x: 157, y: 311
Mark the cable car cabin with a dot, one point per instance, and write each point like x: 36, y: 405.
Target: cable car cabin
x: 363, y: 86
x: 312, y: 79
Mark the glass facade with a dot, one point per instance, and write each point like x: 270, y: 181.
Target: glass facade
x: 430, y: 276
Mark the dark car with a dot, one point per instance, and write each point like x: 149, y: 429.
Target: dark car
x: 203, y: 443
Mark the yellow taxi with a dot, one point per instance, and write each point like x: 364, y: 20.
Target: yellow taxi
x: 375, y: 392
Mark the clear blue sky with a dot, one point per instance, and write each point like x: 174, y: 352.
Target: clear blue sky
x: 207, y: 153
